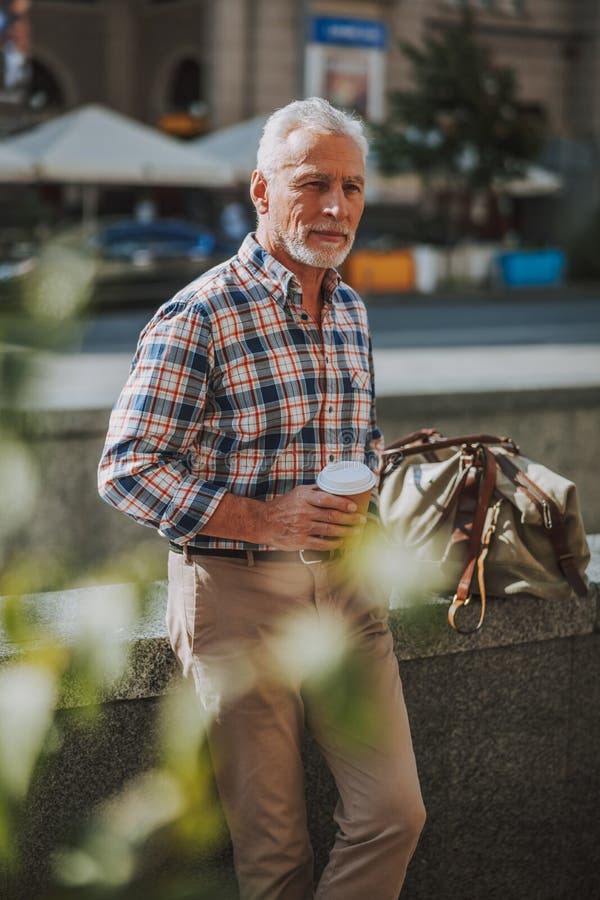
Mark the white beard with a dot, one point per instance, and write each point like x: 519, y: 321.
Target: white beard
x: 296, y: 247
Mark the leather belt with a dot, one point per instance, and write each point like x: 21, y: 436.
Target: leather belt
x: 290, y: 556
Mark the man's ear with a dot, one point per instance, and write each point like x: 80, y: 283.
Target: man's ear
x: 259, y: 192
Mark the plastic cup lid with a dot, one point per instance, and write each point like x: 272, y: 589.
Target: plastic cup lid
x: 346, y: 478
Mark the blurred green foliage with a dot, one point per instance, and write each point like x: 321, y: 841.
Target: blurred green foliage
x: 169, y: 811
x: 462, y: 119
x: 461, y: 125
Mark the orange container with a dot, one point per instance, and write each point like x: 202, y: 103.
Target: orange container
x: 380, y: 271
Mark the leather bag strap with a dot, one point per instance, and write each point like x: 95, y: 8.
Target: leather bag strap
x: 462, y: 596
x: 485, y: 546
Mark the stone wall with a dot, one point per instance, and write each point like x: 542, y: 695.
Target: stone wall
x: 505, y: 728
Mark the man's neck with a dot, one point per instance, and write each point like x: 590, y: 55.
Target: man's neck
x: 310, y: 278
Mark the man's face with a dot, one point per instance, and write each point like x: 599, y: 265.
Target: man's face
x: 314, y: 201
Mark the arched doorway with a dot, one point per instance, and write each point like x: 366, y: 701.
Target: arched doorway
x: 186, y: 109
x: 45, y: 94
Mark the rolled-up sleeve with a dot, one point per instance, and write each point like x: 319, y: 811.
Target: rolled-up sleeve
x: 144, y: 470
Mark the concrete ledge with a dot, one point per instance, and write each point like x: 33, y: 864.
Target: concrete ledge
x: 151, y: 667
x: 420, y: 631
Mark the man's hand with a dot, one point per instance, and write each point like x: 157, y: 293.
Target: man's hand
x: 307, y: 518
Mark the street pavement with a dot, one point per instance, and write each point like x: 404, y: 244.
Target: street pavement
x: 500, y: 368
x: 425, y: 321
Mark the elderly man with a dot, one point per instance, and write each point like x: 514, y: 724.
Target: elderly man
x: 243, y: 387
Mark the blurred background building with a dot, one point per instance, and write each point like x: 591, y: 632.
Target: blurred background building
x: 196, y: 65
x: 191, y: 67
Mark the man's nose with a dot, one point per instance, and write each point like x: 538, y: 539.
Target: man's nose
x: 336, y: 203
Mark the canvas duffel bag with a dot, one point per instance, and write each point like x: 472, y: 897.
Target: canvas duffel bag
x: 483, y: 519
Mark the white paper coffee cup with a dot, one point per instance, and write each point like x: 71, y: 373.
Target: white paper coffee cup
x: 353, y: 480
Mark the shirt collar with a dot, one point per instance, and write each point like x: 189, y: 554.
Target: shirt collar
x: 278, y: 280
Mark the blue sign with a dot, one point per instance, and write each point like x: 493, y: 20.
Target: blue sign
x: 348, y: 32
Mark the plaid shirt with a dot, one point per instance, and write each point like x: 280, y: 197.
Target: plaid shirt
x: 235, y: 388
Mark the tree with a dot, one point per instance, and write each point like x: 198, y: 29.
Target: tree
x: 461, y: 126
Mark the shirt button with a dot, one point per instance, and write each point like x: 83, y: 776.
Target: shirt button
x: 330, y: 409
x: 331, y: 457
x: 304, y: 317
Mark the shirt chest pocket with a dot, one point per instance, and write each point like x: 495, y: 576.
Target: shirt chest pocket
x: 355, y: 382
x: 360, y: 380
x: 355, y: 409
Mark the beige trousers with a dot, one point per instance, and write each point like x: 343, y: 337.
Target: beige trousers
x: 223, y: 615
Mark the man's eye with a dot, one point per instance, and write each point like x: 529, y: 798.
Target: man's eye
x: 353, y: 188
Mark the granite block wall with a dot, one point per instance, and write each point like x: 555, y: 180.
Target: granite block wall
x: 512, y: 802
x: 506, y: 731
x: 89, y: 764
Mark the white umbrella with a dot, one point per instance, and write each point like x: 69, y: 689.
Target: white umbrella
x: 535, y: 182
x: 94, y: 145
x: 404, y: 188
x: 237, y: 145
x: 14, y: 166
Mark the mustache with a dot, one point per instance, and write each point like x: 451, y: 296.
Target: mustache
x: 332, y: 229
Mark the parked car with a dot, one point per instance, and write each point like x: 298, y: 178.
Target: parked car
x: 142, y: 243
x: 17, y: 253
x: 18, y: 258
x: 134, y: 263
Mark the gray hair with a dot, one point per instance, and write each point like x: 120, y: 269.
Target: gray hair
x: 316, y: 114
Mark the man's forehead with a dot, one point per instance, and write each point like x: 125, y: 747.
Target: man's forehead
x: 312, y: 150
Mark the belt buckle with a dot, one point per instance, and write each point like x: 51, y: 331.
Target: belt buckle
x: 313, y: 562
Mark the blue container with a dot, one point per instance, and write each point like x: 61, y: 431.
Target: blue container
x: 535, y: 268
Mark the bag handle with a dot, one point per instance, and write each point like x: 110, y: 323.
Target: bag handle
x: 433, y: 440
x: 424, y: 434
x: 428, y: 439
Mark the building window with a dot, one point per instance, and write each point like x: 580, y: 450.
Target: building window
x: 45, y: 93
x: 186, y: 88
x: 186, y: 110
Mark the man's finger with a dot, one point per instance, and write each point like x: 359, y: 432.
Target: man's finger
x: 335, y: 530
x: 338, y: 517
x: 315, y: 543
x: 331, y: 501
